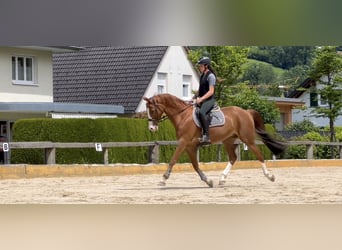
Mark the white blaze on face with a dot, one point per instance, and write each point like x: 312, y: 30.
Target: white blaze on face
x: 151, y: 126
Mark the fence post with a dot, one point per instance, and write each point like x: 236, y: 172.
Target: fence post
x: 50, y: 155
x: 105, y: 156
x: 219, y: 153
x: 309, y: 151
x: 340, y: 151
x: 154, y: 153
x: 238, y: 152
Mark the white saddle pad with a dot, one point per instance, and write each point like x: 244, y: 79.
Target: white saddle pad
x: 217, y: 118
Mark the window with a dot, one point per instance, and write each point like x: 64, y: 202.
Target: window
x: 186, y: 90
x: 313, y: 99
x: 160, y: 89
x: 22, y: 70
x: 161, y: 83
x: 322, y: 101
x: 316, y: 100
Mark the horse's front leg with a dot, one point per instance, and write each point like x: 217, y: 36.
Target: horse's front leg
x: 192, y: 152
x: 176, y: 154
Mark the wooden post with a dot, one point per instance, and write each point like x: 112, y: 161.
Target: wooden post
x: 50, y: 156
x: 238, y: 152
x: 154, y: 153
x: 309, y: 151
x: 340, y: 151
x: 105, y: 156
x: 219, y: 158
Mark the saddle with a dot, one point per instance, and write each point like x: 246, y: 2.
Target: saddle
x: 216, y: 117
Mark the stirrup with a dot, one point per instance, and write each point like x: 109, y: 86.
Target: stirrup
x: 205, y: 140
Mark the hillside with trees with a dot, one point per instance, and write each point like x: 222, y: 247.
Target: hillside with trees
x: 267, y: 70
x: 264, y: 68
x: 248, y: 73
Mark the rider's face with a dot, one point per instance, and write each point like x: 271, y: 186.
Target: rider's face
x: 201, y: 68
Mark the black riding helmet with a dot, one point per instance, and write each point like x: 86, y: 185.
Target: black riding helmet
x: 204, y: 60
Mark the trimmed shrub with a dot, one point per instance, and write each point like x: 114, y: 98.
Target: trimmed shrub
x: 106, y: 130
x: 91, y: 130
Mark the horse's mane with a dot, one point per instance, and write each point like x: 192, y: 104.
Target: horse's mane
x: 171, y: 100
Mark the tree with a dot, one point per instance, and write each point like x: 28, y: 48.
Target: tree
x: 227, y: 62
x: 259, y: 73
x: 326, y: 70
x: 262, y: 77
x: 285, y: 57
x: 248, y: 98
x: 294, y: 76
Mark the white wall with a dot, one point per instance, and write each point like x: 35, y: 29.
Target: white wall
x: 175, y: 64
x: 41, y: 91
x: 300, y: 115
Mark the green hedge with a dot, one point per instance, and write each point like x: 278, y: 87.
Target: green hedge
x: 319, y: 152
x: 86, y: 130
x: 104, y: 130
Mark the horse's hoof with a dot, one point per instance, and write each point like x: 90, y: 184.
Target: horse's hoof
x: 210, y: 183
x: 162, y: 183
x: 272, y: 178
x: 221, y: 182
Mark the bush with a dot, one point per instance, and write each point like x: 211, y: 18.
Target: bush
x: 107, y: 130
x: 338, y: 131
x: 87, y: 130
x: 305, y: 125
x: 299, y: 151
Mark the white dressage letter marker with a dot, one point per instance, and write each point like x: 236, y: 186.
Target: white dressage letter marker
x: 5, y: 147
x: 98, y: 147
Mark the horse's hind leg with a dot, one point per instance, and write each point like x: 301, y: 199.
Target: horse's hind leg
x: 192, y: 152
x: 230, y: 148
x: 259, y: 156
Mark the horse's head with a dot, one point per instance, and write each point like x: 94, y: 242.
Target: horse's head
x: 155, y: 112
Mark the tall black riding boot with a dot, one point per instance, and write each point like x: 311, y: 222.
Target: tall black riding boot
x: 205, y: 127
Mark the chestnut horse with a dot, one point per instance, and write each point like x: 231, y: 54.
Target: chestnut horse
x: 240, y: 123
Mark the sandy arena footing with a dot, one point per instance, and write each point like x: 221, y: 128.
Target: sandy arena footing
x: 293, y: 185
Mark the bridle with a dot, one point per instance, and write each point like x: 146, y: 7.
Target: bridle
x: 165, y: 117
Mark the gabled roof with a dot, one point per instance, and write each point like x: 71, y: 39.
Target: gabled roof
x: 306, y: 84
x: 105, y: 75
x: 53, y: 49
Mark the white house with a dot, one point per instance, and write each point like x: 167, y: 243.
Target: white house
x: 26, y: 86
x: 306, y: 92
x: 175, y: 75
x: 123, y: 75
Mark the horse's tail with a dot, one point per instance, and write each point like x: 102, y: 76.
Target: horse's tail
x: 275, y: 146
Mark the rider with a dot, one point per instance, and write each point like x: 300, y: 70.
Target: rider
x: 205, y: 98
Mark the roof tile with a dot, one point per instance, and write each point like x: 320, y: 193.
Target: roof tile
x: 105, y: 75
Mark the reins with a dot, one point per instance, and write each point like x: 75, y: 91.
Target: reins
x: 165, y: 117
